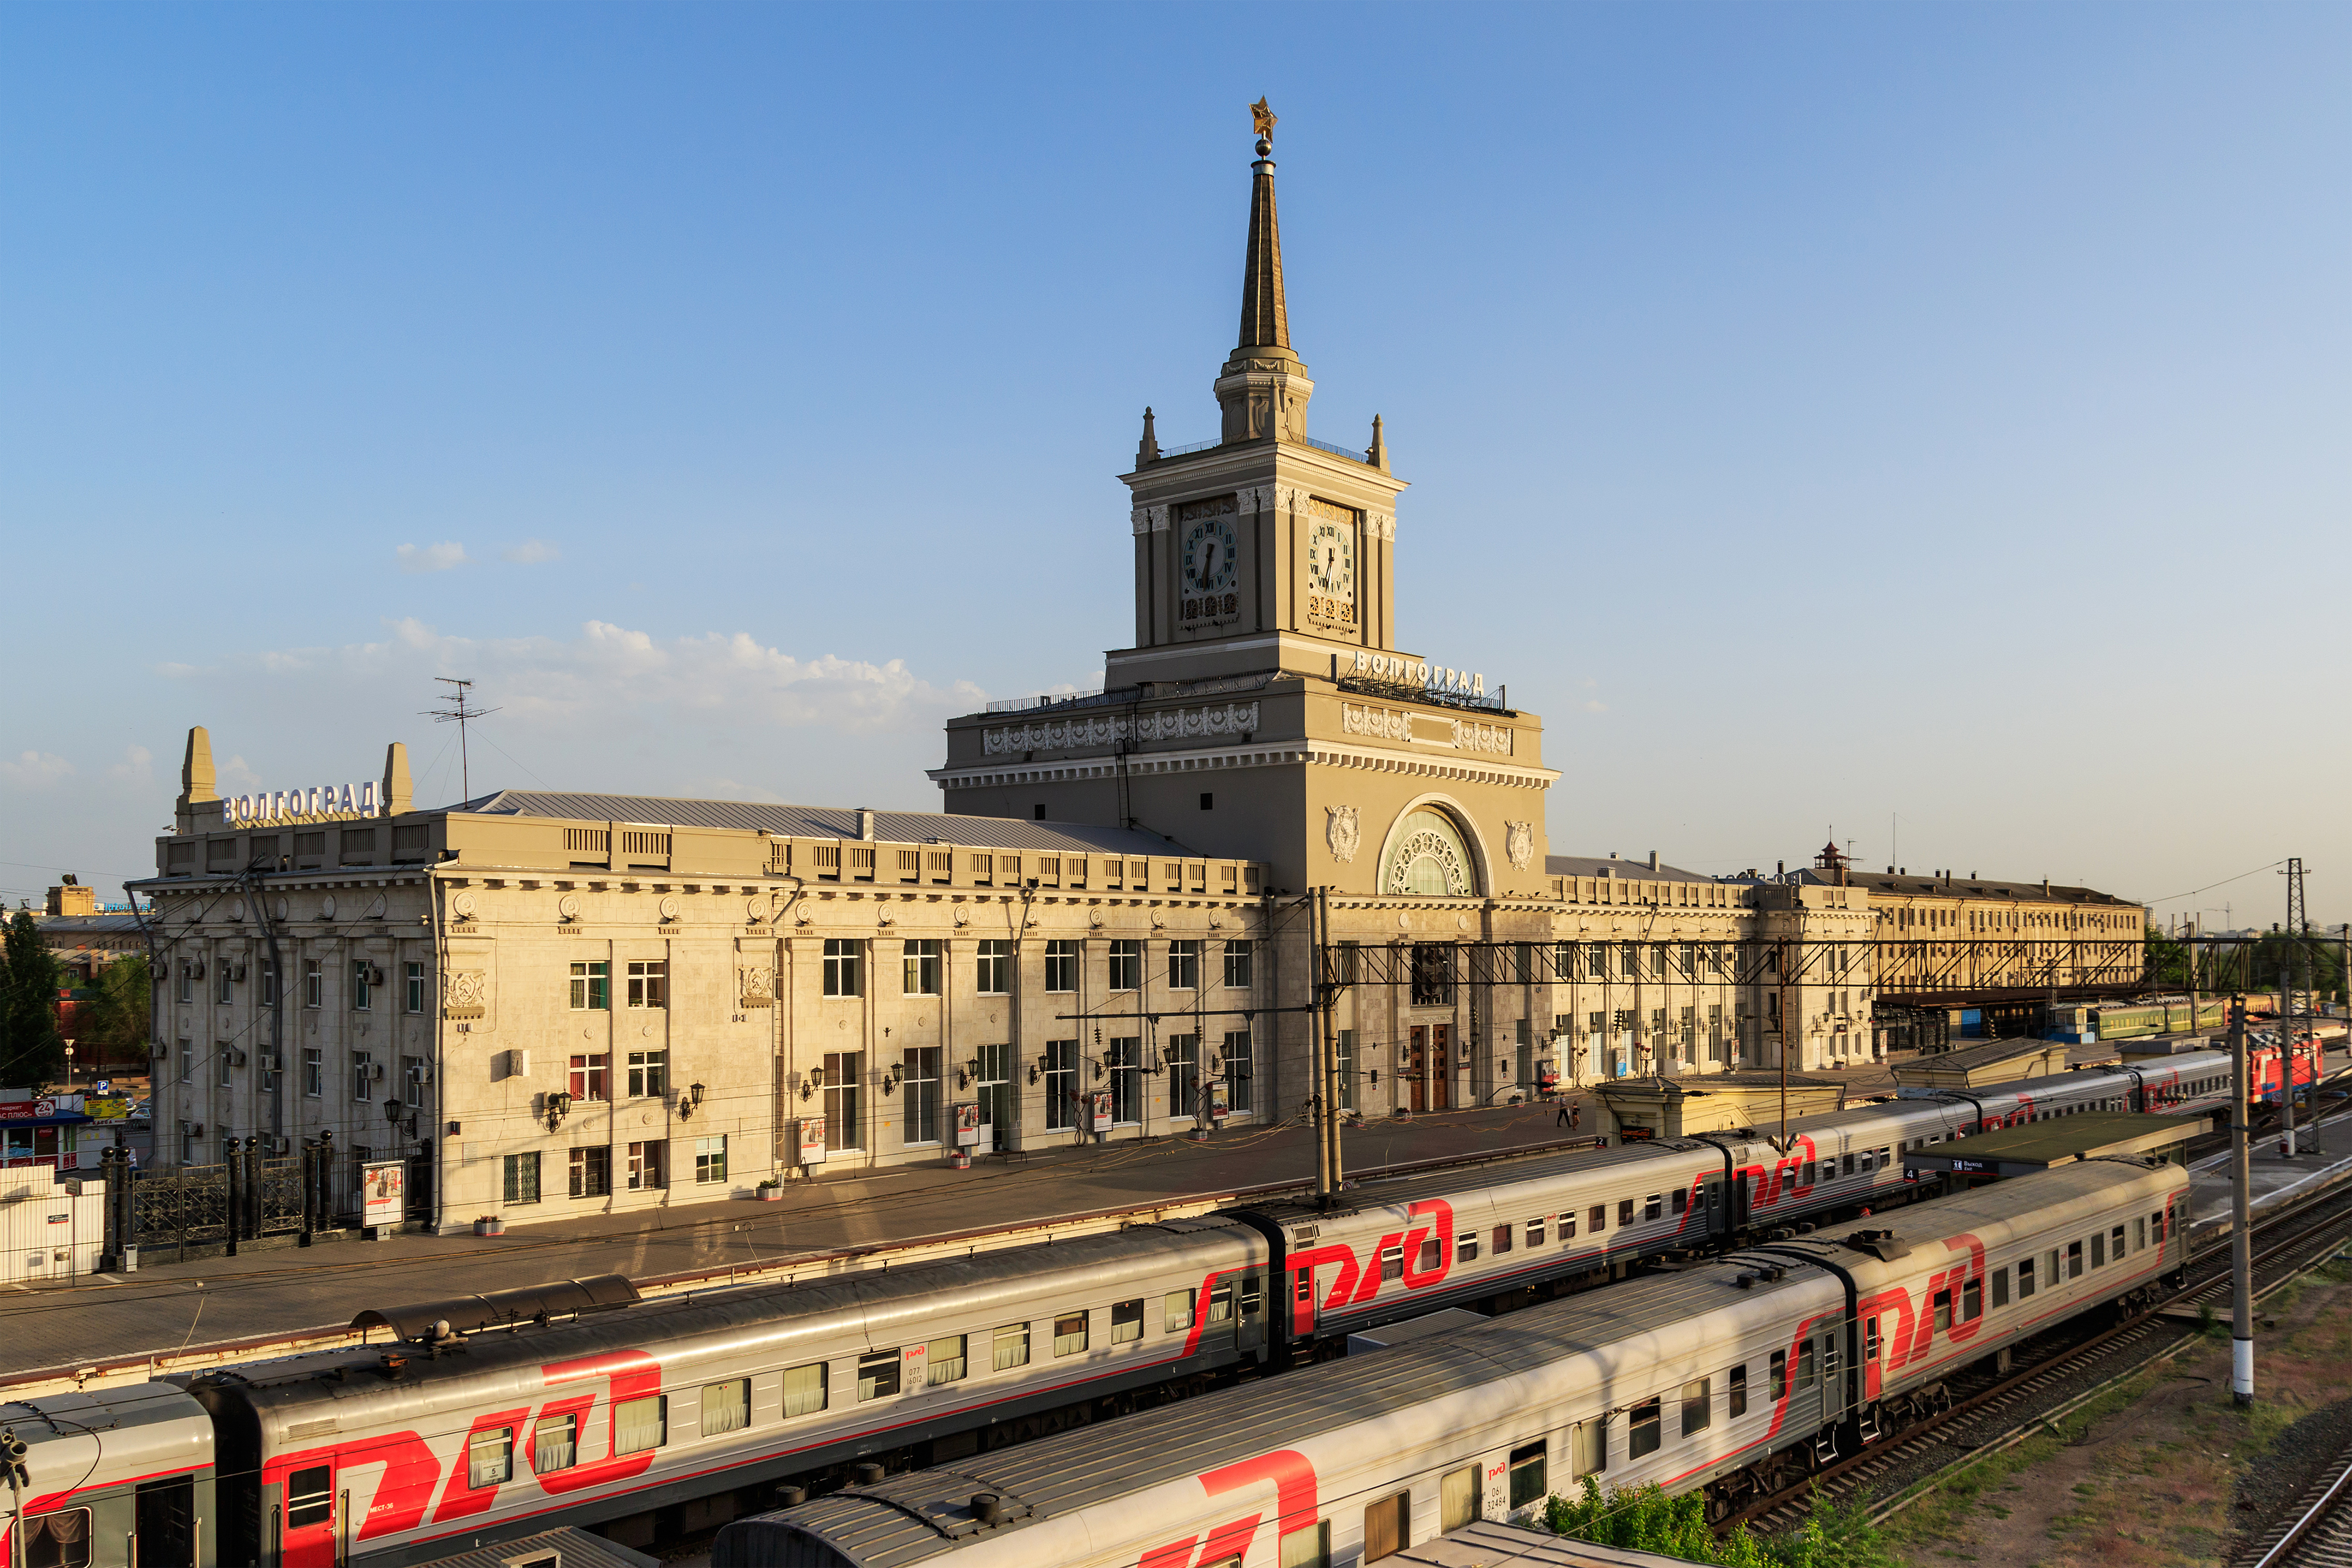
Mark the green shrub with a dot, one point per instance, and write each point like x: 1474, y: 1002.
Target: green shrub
x: 1645, y: 1519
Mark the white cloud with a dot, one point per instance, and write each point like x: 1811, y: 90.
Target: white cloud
x: 37, y: 769
x: 432, y: 557
x: 530, y: 552
x: 133, y: 767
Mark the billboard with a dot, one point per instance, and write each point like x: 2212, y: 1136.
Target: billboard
x: 384, y: 1192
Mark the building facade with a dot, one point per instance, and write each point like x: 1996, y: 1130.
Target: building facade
x: 555, y: 1003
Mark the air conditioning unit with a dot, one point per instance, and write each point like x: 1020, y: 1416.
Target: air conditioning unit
x: 198, y: 971
x: 376, y: 1071
x: 162, y: 1052
x: 236, y: 1057
x: 420, y: 1074
x: 376, y: 975
x: 237, y: 973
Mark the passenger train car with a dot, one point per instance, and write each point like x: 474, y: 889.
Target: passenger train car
x: 1734, y: 1377
x: 390, y: 1455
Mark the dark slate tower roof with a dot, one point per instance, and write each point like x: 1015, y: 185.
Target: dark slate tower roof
x: 1266, y: 321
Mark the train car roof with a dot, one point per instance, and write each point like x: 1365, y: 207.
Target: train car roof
x: 926, y: 1514
x: 1442, y: 1183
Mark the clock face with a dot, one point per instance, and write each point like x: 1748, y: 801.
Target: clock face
x: 1331, y: 561
x: 1210, y: 565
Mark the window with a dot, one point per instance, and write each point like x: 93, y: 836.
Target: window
x: 1239, y: 966
x: 2140, y: 1235
x: 314, y: 1073
x: 1589, y: 1450
x: 648, y: 983
x: 489, y: 1457
x: 1535, y: 1232
x: 1681, y: 1200
x: 591, y: 987
x: 1070, y: 1334
x: 2098, y: 1249
x: 1698, y: 1405
x: 1643, y: 1429
x: 362, y: 993
x: 920, y: 1092
x: 1971, y: 1300
x: 645, y: 1169
x: 1807, y: 1361
x: 1124, y: 1058
x: 310, y: 1496
x: 841, y: 968
x: 591, y: 1173
x: 188, y: 981
x: 2115, y: 1243
x: 1597, y: 1218
x: 591, y: 1078
x: 994, y: 968
x: 269, y: 982
x: 804, y: 1389
x: 1736, y: 1385
x: 228, y: 987
x: 520, y: 1183
x: 648, y: 1074
x: 412, y: 1081
x: 1308, y: 1546
x: 844, y: 1120
x: 1126, y: 966
x: 920, y: 967
x: 1457, y: 1498
x: 1011, y: 1346
x: 1183, y: 966
x: 1625, y: 1211
x: 1504, y: 1237
x: 1568, y: 1226
x: 1527, y: 1474
x: 1061, y: 965
x: 640, y: 1424
x: 554, y: 1444
x: 726, y: 1406
x: 1176, y: 1311
x: 314, y: 983
x: 412, y: 984
x: 946, y: 1359
x: 221, y: 1054
x: 362, y: 1074
x: 1388, y: 1527
x: 58, y: 1539
x: 1061, y: 1079
x: 1127, y: 1321
x: 878, y: 1374
x: 2074, y: 1260
x: 710, y: 1160
x: 1653, y: 1207
x: 1433, y: 1254
x: 2024, y: 1278
x: 2000, y: 1287
x: 1779, y: 1376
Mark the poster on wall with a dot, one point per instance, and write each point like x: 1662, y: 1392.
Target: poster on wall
x: 1098, y: 1103
x: 384, y: 1192
x: 812, y: 1140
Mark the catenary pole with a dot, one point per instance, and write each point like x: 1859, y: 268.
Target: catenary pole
x: 1317, y: 1100
x: 1327, y: 1050
x: 2242, y: 1240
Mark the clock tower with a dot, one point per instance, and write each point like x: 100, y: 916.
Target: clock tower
x: 1265, y: 709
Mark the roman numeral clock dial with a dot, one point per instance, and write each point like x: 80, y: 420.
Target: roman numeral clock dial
x: 1331, y: 573
x: 1211, y: 572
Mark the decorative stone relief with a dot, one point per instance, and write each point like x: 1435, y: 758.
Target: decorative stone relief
x: 1472, y: 735
x: 1343, y: 830
x: 1387, y: 722
x: 757, y: 988
x: 668, y: 908
x: 1139, y: 518
x: 376, y: 907
x: 1519, y: 842
x: 1380, y: 524
x: 1159, y: 519
x: 1106, y: 729
x: 326, y: 907
x: 465, y: 994
x: 236, y: 909
x: 568, y: 906
x: 461, y: 905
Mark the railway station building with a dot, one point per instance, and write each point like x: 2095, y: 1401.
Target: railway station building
x: 553, y: 1003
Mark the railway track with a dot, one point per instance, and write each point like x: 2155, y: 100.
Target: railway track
x: 1993, y: 1411
x: 2317, y: 1531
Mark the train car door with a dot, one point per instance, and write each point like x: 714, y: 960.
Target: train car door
x: 1416, y: 1054
x: 1306, y: 1303
x: 1716, y: 1211
x: 312, y: 1535
x: 1441, y: 1069
x: 1250, y: 1329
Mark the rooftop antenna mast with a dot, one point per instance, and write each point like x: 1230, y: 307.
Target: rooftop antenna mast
x: 460, y: 707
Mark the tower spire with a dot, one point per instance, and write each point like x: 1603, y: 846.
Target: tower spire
x: 1263, y: 387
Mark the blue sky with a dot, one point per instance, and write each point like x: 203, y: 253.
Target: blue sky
x: 1819, y: 414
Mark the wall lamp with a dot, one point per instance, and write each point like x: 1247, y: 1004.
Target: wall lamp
x: 558, y: 1105
x: 812, y: 1082
x: 689, y: 1101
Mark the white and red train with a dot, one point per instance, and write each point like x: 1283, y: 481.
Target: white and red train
x: 394, y: 1455
x: 1736, y: 1377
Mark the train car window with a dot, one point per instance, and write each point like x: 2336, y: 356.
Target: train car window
x: 489, y: 1457
x: 947, y: 1361
x: 1457, y: 1498
x: 1885, y: 1157
x: 1653, y: 1207
x: 554, y: 1443
x: 2098, y: 1249
x: 1567, y: 1227
x: 1698, y: 1405
x: 2024, y: 1278
x: 1625, y: 1211
x: 2156, y: 1225
x: 310, y: 1496
x: 1307, y: 1547
x: 878, y: 1374
x: 1973, y: 1300
x: 1221, y: 1302
x: 1175, y: 1312
x: 1589, y: 1448
x: 1466, y: 1247
x: 804, y: 1388
x: 1127, y: 1321
x: 1806, y: 1363
x: 1869, y: 1338
x: 2074, y: 1260
x: 1943, y: 1309
x: 1597, y: 1218
x: 2116, y: 1243
x: 1012, y: 1340
x: 640, y: 1424
x: 1432, y: 1252
x: 1810, y: 1166
x: 60, y: 1539
x: 1535, y: 1232
x: 1503, y: 1240
x: 1779, y: 1376
x: 1528, y: 1483
x: 1643, y: 1429
x: 1392, y: 1261
x: 1737, y: 1380
x: 2000, y: 1287
x: 1388, y: 1527
x: 1682, y: 1201
x: 1253, y: 1295
x: 1849, y: 1165
x: 1070, y: 1334
x: 1868, y: 1164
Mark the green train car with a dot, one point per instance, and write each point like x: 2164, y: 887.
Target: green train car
x: 2164, y: 1015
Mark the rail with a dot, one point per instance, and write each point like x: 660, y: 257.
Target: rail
x: 2331, y: 1492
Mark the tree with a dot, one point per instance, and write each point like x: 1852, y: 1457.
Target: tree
x: 116, y: 1026
x: 32, y: 1052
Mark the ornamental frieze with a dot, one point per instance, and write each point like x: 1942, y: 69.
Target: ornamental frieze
x: 1106, y: 729
x: 1388, y: 724
x: 1471, y: 736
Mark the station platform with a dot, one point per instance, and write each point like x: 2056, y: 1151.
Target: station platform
x: 2276, y: 1179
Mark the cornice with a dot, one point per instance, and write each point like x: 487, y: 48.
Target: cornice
x: 1273, y: 754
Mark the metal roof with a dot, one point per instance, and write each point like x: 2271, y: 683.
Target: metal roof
x: 825, y: 823
x: 570, y: 1547
x: 1886, y: 884
x: 1487, y: 1544
x: 1632, y: 871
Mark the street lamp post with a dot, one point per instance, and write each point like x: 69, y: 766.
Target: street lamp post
x: 69, y: 1045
